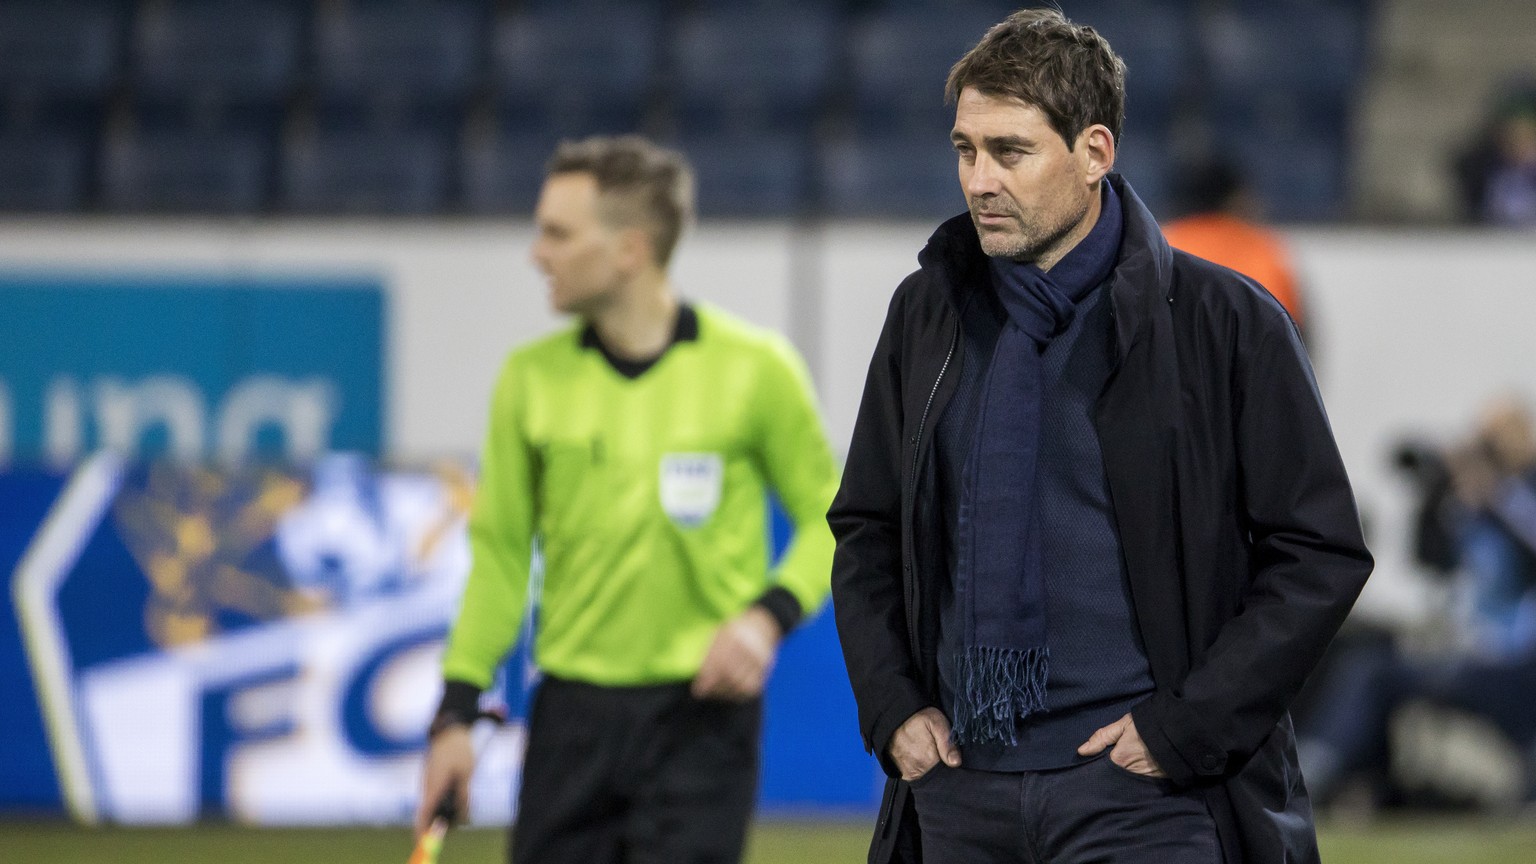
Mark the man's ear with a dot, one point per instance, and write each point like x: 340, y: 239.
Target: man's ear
x: 1097, y: 147
x: 636, y: 249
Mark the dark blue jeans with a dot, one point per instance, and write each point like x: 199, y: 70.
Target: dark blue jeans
x: 1094, y: 812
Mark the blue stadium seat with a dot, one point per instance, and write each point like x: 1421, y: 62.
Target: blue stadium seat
x: 596, y: 7
x: 1144, y: 159
x: 186, y: 172
x: 1282, y: 84
x: 1157, y: 41
x: 59, y: 62
x: 403, y: 172
x: 575, y: 70
x: 43, y: 172
x: 890, y: 177
x: 394, y: 64
x: 751, y: 175
x: 901, y: 6
x: 215, y: 62
x: 503, y: 173
x: 1299, y: 7
x: 1275, y: 59
x: 1299, y: 178
x: 899, y: 60
x: 753, y: 68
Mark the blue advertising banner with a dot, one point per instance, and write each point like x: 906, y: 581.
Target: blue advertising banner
x: 262, y: 644
x: 192, y: 367
x: 28, y: 783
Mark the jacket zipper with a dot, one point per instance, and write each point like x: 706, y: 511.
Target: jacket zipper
x: 917, y: 454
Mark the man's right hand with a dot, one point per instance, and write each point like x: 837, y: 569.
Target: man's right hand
x: 921, y: 742
x: 450, y: 762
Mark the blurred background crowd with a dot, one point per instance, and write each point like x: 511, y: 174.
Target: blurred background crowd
x: 201, y: 256
x: 1383, y: 110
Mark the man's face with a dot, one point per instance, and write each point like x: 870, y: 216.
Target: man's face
x: 1027, y: 192
x: 580, y: 253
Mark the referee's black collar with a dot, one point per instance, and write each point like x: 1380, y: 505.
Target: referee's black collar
x: 685, y: 330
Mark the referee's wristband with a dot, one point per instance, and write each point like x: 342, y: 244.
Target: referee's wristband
x: 783, y: 606
x: 460, y: 707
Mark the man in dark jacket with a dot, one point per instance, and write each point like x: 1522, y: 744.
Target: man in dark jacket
x: 1093, y: 531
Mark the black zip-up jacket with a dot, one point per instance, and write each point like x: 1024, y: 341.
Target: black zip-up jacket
x: 1239, y: 529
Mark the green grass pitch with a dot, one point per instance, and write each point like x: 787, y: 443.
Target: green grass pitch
x: 1399, y: 841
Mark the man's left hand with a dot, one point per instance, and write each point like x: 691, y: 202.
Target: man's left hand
x: 1127, y: 749
x: 740, y: 658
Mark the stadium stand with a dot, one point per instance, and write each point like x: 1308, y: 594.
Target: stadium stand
x: 186, y: 171
x: 760, y: 174
x: 215, y: 63
x: 60, y: 65
x: 1433, y: 67
x: 1156, y: 40
x: 59, y: 62
x: 749, y: 68
x: 393, y: 82
x: 553, y: 73
x: 1289, y: 120
x: 898, y: 60
x: 1143, y: 157
x: 889, y: 176
x: 473, y: 83
x: 407, y: 172
x: 500, y: 173
x: 392, y: 64
x: 43, y: 172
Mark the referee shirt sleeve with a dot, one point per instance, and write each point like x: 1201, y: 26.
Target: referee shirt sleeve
x: 799, y: 467
x: 501, y: 536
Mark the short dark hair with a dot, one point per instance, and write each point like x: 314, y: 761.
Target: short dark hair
x: 1037, y: 56
x: 640, y: 185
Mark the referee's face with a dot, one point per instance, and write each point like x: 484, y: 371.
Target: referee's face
x: 583, y: 257
x: 1030, y: 196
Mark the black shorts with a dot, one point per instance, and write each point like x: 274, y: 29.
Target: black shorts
x: 638, y: 775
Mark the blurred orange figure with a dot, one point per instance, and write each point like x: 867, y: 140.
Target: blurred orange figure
x: 1223, y: 226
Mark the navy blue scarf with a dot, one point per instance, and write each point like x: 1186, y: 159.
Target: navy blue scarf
x: 1000, y: 672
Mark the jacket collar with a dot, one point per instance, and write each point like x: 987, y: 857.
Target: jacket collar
x: 954, y: 260
x: 1140, y: 283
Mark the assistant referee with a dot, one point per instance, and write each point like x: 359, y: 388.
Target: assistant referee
x: 638, y: 446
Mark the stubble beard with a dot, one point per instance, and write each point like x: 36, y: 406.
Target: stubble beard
x: 1028, y: 242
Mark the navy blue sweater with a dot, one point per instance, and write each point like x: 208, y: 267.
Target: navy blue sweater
x: 1098, y: 668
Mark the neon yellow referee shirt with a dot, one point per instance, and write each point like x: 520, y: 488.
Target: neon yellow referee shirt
x: 648, y: 498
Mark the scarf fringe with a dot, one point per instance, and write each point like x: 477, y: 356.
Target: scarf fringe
x: 996, y: 687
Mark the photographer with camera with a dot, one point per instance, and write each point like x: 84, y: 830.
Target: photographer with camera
x: 1476, y: 522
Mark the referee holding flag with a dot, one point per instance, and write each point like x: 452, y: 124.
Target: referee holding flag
x: 638, y: 446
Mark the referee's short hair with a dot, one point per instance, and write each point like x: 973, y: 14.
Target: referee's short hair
x: 640, y: 185
x: 1066, y: 70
